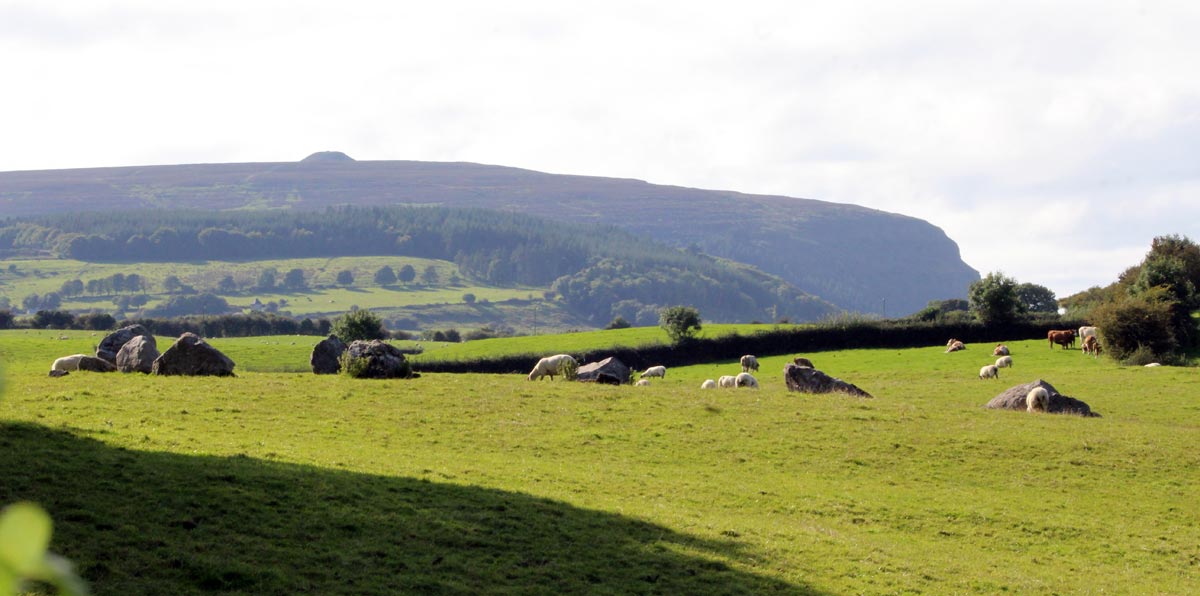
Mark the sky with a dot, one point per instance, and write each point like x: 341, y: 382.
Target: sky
x: 1051, y: 140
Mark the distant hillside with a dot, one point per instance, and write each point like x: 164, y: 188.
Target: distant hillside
x: 856, y: 257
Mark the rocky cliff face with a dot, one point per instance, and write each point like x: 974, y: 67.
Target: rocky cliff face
x: 858, y: 258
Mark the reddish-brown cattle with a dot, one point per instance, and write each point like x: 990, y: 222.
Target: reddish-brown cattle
x: 1064, y: 338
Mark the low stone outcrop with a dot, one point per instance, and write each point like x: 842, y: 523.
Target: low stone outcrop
x: 1013, y: 398
x: 192, y: 356
x: 806, y: 379
x: 138, y: 355
x: 94, y: 364
x: 609, y: 371
x: 325, y: 355
x: 376, y: 359
x: 111, y: 344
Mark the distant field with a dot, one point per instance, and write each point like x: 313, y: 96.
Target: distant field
x: 488, y: 484
x: 324, y: 297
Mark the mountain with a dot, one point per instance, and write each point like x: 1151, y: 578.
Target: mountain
x: 858, y: 258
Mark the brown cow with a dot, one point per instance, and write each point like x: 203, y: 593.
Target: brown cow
x: 1091, y: 345
x: 1065, y: 338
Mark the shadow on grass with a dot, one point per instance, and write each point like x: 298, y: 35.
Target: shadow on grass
x: 162, y: 523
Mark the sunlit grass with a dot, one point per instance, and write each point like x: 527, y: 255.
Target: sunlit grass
x: 919, y: 490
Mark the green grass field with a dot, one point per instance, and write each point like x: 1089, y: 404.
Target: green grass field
x: 285, y: 482
x: 323, y: 298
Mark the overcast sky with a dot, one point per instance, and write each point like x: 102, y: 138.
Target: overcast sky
x: 1051, y: 140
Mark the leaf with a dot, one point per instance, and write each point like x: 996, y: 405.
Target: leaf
x: 24, y: 537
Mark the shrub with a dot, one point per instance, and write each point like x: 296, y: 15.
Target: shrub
x: 680, y: 322
x: 353, y: 367
x: 1138, y: 325
x: 359, y: 324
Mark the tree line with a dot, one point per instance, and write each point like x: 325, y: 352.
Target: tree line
x: 600, y: 272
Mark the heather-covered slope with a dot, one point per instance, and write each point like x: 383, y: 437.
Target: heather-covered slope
x: 858, y: 258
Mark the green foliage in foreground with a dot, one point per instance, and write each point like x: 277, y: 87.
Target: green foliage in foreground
x: 293, y: 483
x: 24, y: 535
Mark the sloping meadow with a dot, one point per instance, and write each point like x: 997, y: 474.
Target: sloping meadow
x: 469, y: 483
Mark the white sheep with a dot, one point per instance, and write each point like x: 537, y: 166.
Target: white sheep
x: 643, y: 383
x: 1004, y: 362
x: 1001, y: 350
x: 746, y: 380
x: 68, y: 363
x: 749, y: 363
x: 1037, y: 400
x: 727, y: 381
x: 655, y: 371
x: 954, y: 345
x: 708, y: 384
x: 989, y: 372
x: 561, y: 364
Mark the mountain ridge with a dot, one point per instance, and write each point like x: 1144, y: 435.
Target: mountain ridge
x: 859, y: 258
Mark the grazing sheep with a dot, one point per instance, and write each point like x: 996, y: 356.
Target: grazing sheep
x: 1001, y: 350
x: 655, y: 371
x: 745, y: 380
x: 68, y: 363
x: 954, y: 345
x: 708, y: 384
x: 989, y: 372
x: 802, y: 361
x: 727, y: 381
x: 642, y: 383
x: 1004, y: 362
x: 1153, y: 364
x: 1038, y: 400
x: 561, y: 364
x: 749, y: 363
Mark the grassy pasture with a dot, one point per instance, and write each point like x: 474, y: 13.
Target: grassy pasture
x: 276, y: 482
x: 324, y: 296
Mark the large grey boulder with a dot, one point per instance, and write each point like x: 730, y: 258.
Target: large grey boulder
x: 325, y: 355
x: 806, y: 379
x: 609, y: 371
x: 375, y: 359
x: 1013, y: 398
x: 192, y: 356
x: 111, y: 344
x: 138, y: 355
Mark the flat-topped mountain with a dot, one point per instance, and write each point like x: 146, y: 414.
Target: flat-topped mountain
x: 858, y: 258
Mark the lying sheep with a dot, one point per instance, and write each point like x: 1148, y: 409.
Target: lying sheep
x: 655, y: 371
x: 642, y: 383
x: 68, y: 363
x: 954, y: 345
x: 989, y: 372
x: 1004, y: 362
x: 745, y: 380
x: 1001, y: 350
x: 561, y: 364
x: 708, y: 384
x: 1038, y: 400
x: 749, y: 363
x: 727, y: 381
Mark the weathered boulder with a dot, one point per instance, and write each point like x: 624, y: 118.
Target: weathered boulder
x: 94, y: 364
x: 138, y: 355
x: 192, y: 356
x: 375, y: 359
x: 111, y: 344
x: 610, y: 371
x: 1013, y: 398
x: 324, y: 358
x: 806, y: 379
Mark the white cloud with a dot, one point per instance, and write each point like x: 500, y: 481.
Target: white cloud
x: 1003, y: 124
